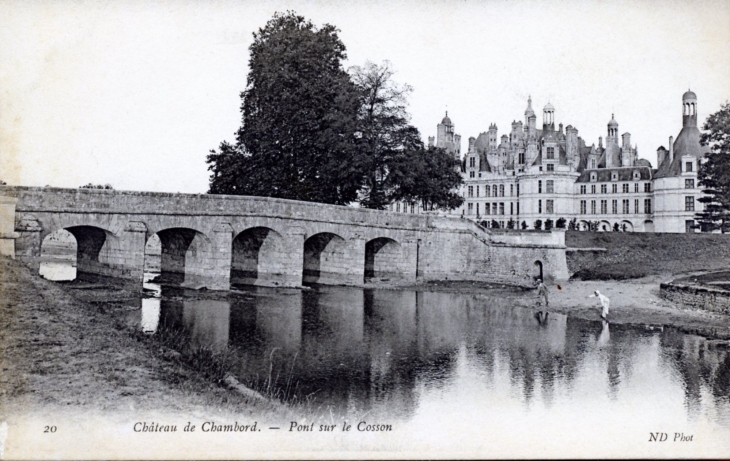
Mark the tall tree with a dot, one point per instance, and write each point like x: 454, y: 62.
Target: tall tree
x: 426, y: 176
x: 384, y: 135
x: 714, y: 172
x: 297, y: 139
x: 311, y: 131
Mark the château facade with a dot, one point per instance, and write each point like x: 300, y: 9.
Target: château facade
x: 550, y: 173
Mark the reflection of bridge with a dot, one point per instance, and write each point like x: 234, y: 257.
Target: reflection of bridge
x: 214, y: 240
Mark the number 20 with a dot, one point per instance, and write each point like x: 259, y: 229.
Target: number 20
x: 50, y: 429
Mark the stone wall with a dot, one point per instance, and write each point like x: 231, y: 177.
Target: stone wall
x: 315, y: 242
x: 697, y: 297
x: 7, y: 226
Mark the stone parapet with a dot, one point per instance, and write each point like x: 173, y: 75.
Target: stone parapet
x: 697, y: 297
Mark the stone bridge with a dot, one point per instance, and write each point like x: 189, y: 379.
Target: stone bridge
x: 216, y: 240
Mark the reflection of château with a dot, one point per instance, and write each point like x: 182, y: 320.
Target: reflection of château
x: 548, y: 173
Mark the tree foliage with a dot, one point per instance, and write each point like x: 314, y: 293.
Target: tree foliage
x: 384, y: 136
x: 714, y: 172
x: 97, y: 186
x: 299, y: 111
x: 424, y: 175
x: 311, y: 131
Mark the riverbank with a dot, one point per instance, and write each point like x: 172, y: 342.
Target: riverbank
x: 61, y: 348
x: 635, y: 301
x: 634, y: 255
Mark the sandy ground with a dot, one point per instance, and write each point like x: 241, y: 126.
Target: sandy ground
x: 634, y: 301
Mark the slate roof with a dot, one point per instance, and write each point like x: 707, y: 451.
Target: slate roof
x: 687, y: 143
x: 624, y: 174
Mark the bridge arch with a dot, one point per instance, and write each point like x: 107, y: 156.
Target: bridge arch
x: 382, y: 257
x: 184, y: 255
x: 324, y: 258
x: 58, y: 256
x: 257, y: 256
x: 87, y: 249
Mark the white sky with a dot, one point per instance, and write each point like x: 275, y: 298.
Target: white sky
x: 136, y: 93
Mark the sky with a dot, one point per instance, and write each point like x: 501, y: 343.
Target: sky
x: 135, y: 94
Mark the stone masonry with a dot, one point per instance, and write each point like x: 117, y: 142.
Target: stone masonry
x: 212, y: 240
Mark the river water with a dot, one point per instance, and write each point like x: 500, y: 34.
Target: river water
x: 415, y: 358
x: 395, y: 354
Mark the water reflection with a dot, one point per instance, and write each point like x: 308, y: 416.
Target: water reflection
x: 58, y: 271
x: 399, y: 353
x: 150, y: 315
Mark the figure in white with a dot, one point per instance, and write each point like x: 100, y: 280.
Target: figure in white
x: 604, y: 303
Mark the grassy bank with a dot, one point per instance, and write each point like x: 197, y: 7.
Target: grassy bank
x: 635, y: 255
x: 59, y: 349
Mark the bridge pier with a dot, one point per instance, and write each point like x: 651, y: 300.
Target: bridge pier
x: 264, y: 257
x: 7, y: 226
x: 193, y: 259
x: 101, y: 253
x: 28, y: 243
x: 331, y: 260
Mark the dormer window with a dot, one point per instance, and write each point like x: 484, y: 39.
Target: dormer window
x: 637, y: 176
x: 614, y: 176
x: 551, y: 153
x: 593, y: 164
x: 593, y: 177
x: 688, y: 167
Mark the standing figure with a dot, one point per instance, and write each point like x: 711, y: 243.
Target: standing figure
x: 542, y: 292
x: 604, y: 303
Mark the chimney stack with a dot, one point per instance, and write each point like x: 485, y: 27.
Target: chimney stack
x: 671, y: 149
x: 661, y: 155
